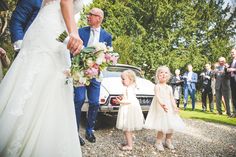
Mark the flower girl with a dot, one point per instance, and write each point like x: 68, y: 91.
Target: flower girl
x: 130, y: 116
x: 163, y: 113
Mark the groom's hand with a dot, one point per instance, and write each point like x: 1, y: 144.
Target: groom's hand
x: 75, y: 44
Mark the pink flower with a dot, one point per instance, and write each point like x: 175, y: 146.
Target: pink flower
x: 108, y: 57
x: 114, y: 59
x: 91, y: 72
x: 96, y: 66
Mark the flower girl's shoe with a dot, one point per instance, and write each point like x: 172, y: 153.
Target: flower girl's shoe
x: 159, y: 146
x: 169, y: 145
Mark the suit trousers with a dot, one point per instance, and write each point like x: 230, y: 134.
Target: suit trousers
x: 207, y: 92
x: 233, y: 92
x: 93, y: 92
x: 191, y: 91
x: 225, y: 93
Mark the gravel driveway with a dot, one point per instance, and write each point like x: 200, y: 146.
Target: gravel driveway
x: 201, y: 139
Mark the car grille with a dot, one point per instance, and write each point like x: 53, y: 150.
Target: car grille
x: 145, y: 100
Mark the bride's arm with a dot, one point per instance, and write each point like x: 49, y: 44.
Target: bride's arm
x: 75, y: 43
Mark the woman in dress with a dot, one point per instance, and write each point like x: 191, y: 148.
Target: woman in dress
x: 37, y: 117
x: 176, y: 83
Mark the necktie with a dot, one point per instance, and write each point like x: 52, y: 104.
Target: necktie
x: 92, y: 37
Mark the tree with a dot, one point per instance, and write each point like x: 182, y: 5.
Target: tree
x: 173, y: 33
x: 149, y: 33
x: 5, y: 41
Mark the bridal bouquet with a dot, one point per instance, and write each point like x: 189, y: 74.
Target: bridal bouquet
x: 90, y: 62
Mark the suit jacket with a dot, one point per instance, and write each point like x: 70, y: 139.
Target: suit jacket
x: 222, y: 79
x: 104, y: 36
x: 206, y: 79
x: 176, y: 82
x: 234, y: 66
x: 23, y: 15
x: 193, y: 81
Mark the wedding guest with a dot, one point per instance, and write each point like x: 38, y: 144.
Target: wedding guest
x: 162, y: 115
x: 232, y: 72
x: 22, y: 17
x: 130, y: 116
x: 206, y: 77
x: 222, y: 86
x: 90, y: 36
x: 190, y: 81
x: 176, y: 83
x: 213, y: 82
x: 4, y: 62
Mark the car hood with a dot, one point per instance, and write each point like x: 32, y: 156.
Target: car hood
x: 114, y: 86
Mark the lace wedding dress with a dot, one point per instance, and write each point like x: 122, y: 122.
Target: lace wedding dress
x: 37, y: 117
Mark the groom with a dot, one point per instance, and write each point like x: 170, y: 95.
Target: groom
x: 90, y: 36
x: 21, y: 19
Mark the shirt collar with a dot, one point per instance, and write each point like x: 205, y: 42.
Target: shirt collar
x: 96, y: 29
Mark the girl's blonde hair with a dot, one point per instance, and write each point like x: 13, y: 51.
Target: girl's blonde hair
x: 162, y: 68
x: 131, y: 75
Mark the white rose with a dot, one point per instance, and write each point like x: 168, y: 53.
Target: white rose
x: 82, y: 80
x: 100, y: 58
x: 100, y: 47
x: 109, y: 49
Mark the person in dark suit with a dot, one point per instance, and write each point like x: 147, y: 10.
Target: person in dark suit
x: 206, y: 77
x: 232, y: 73
x: 90, y: 36
x: 176, y: 83
x: 22, y: 17
x: 222, y: 86
x: 190, y: 81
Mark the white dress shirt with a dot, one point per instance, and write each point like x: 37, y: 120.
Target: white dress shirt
x: 94, y: 36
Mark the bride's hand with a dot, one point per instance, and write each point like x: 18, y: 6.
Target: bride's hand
x: 75, y: 44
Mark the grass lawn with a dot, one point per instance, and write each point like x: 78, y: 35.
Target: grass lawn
x: 206, y: 116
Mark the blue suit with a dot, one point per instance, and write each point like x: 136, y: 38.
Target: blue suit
x: 22, y: 17
x: 190, y: 88
x: 104, y: 36
x: 93, y: 90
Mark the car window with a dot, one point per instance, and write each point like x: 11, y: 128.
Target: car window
x: 116, y: 71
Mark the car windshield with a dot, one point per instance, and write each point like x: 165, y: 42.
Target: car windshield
x: 115, y: 71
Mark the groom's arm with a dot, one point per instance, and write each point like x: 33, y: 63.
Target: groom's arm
x: 21, y: 19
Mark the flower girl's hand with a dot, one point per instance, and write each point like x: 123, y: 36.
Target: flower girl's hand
x: 119, y: 99
x: 164, y: 107
x: 75, y: 44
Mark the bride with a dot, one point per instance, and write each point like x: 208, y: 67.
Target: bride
x: 37, y: 117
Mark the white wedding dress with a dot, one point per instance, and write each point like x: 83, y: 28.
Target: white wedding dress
x: 37, y: 117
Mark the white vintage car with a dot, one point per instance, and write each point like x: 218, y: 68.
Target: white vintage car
x: 111, y: 87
